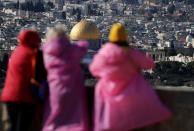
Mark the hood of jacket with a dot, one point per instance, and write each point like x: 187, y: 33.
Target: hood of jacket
x: 29, y: 38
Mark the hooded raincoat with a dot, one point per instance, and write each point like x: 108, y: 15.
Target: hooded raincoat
x: 17, y: 86
x: 124, y: 100
x: 66, y: 109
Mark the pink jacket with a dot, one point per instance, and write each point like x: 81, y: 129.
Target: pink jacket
x: 124, y: 100
x: 66, y: 109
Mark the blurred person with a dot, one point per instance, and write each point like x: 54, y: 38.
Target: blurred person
x: 39, y: 74
x: 124, y: 100
x: 39, y: 87
x: 17, y: 95
x: 87, y: 31
x: 66, y: 109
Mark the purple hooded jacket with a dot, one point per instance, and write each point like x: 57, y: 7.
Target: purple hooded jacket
x: 66, y: 107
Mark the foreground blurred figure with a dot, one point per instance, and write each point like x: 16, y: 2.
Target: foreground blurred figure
x: 124, y: 100
x: 66, y: 109
x: 17, y: 94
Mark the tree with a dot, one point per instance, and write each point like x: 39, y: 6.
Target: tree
x: 30, y: 6
x: 171, y: 8
x: 168, y: 67
x: 39, y: 7
x: 190, y: 67
x: 189, y: 2
x: 78, y: 16
x: 23, y: 6
x: 1, y: 20
x: 64, y: 15
x: 50, y: 4
x: 130, y: 1
x: 17, y: 5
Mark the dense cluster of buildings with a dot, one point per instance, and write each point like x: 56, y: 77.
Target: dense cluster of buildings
x: 163, y: 28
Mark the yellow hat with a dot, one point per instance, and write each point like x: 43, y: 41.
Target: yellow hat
x: 118, y: 33
x: 85, y: 30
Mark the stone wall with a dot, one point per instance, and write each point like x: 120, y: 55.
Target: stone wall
x: 181, y: 102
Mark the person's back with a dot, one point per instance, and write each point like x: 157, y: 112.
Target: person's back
x: 17, y: 84
x: 17, y: 94
x: 18, y: 77
x: 121, y: 92
x: 115, y: 62
x: 66, y: 86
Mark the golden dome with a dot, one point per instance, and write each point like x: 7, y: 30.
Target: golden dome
x: 85, y: 30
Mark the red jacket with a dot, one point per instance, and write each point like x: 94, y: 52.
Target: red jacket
x: 17, y: 84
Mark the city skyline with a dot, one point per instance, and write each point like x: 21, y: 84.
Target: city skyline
x: 164, y: 31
